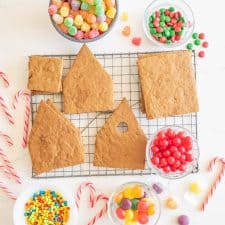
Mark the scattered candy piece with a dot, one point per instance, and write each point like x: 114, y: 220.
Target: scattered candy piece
x: 194, y: 188
x: 183, y: 220
x: 171, y: 203
x: 136, y: 41
x: 205, y: 44
x: 126, y: 31
x: 201, y: 54
x: 158, y: 188
x: 197, y: 42
x: 189, y: 46
x: 195, y: 35
x: 201, y: 36
x: 124, y: 16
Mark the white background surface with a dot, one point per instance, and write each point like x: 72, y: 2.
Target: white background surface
x: 26, y: 29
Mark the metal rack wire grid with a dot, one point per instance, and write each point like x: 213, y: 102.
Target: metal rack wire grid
x: 124, y: 72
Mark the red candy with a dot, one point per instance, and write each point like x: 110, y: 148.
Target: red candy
x: 201, y: 36
x: 171, y: 150
x: 136, y: 41
x: 120, y: 213
x: 205, y: 44
x: 143, y: 218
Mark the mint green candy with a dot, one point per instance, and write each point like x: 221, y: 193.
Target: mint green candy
x: 151, y: 24
x: 153, y: 31
x: 97, y: 2
x: 162, y: 10
x: 167, y: 19
x: 195, y: 35
x: 167, y: 33
x: 171, y: 9
x: 172, y: 33
x: 162, y: 18
x: 99, y: 10
x: 68, y: 21
x: 162, y: 24
x: 72, y: 30
x: 85, y: 6
x: 189, y: 46
x: 197, y: 42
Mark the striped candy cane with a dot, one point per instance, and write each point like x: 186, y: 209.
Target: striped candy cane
x: 6, y: 110
x: 6, y: 172
x: 5, y: 79
x: 7, y: 138
x: 27, y: 96
x: 102, y: 212
x: 6, y: 189
x: 9, y: 166
x: 80, y: 189
x: 217, y: 180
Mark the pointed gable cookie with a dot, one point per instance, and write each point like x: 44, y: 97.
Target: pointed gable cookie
x: 118, y: 149
x: 87, y: 86
x: 54, y: 141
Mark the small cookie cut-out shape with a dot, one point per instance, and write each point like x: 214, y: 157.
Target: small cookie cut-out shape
x: 117, y: 149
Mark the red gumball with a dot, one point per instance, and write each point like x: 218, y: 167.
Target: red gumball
x: 120, y: 213
x: 143, y: 218
x: 142, y: 206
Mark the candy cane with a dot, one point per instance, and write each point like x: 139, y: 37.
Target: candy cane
x: 212, y: 163
x: 18, y: 95
x: 102, y: 211
x: 5, y: 79
x: 82, y: 186
x: 7, y: 138
x: 9, y: 166
x: 6, y: 172
x: 9, y: 193
x: 6, y: 110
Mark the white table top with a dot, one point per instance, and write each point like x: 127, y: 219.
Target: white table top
x: 26, y: 30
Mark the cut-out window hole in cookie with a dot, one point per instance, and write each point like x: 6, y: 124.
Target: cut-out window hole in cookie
x: 122, y: 127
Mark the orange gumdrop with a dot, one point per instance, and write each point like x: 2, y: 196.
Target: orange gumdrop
x: 108, y: 20
x: 110, y: 3
x: 126, y: 31
x: 64, y: 28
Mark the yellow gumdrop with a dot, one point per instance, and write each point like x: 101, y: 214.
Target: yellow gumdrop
x: 124, y: 16
x: 194, y: 188
x: 64, y: 11
x: 128, y: 193
x: 138, y: 191
x: 85, y: 27
x: 151, y: 210
x: 111, y: 12
x: 127, y: 222
x: 103, y: 26
x: 78, y: 21
x: 171, y: 203
x: 118, y: 198
x: 129, y: 214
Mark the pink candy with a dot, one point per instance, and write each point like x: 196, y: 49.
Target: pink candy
x: 93, y: 34
x: 79, y: 35
x: 52, y: 10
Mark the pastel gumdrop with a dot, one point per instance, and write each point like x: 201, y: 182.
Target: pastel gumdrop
x: 52, y: 9
x: 111, y: 12
x: 110, y: 3
x: 101, y: 18
x: 99, y: 10
x: 85, y: 6
x: 64, y: 28
x: 85, y: 27
x: 171, y: 203
x: 183, y: 220
x: 125, y: 204
x: 126, y: 31
x: 58, y: 3
x: 103, y: 26
x: 58, y: 19
x: 78, y: 21
x: 158, y: 188
x: 195, y: 188
x: 91, y: 18
x: 79, y: 35
x: 64, y: 11
x: 75, y: 4
x: 124, y: 16
x: 68, y: 21
x: 72, y: 30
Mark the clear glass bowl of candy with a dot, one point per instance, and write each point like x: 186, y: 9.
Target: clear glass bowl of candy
x: 168, y: 23
x: 83, y: 21
x: 134, y: 203
x: 172, y: 152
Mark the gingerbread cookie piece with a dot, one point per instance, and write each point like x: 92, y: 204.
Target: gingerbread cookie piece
x: 87, y: 87
x: 118, y: 149
x: 54, y: 141
x: 45, y: 74
x: 168, y: 84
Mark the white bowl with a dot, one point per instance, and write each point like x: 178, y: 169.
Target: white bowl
x: 19, y: 207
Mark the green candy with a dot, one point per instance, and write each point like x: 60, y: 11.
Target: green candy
x: 189, y: 46
x: 171, y: 9
x: 195, y: 35
x: 167, y: 19
x: 168, y: 41
x: 159, y: 35
x: 197, y: 42
x: 97, y: 2
x: 151, y: 24
x: 72, y: 30
x: 150, y: 19
x: 99, y: 10
x: 162, y: 24
x: 85, y: 6
x: 167, y: 33
x: 68, y: 22
x: 153, y: 31
x: 172, y: 33
x: 181, y: 19
x: 162, y: 18
x: 134, y: 204
x: 162, y: 10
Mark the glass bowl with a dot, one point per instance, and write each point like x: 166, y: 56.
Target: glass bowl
x: 190, y: 167
x: 180, y: 5
x: 71, y: 38
x: 112, y: 205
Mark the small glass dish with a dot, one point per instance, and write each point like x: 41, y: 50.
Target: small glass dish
x: 180, y: 5
x: 71, y: 38
x: 112, y: 205
x: 191, y: 166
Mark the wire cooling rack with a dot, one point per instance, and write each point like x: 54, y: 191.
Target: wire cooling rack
x: 124, y: 72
